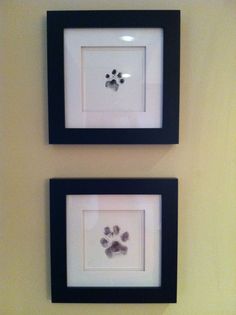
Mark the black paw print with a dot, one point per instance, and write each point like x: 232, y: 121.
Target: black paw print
x: 112, y: 241
x: 114, y: 80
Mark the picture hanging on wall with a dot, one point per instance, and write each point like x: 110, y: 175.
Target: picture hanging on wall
x: 113, y: 240
x: 113, y: 77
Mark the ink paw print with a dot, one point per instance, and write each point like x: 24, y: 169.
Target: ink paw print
x: 113, y: 241
x: 114, y: 80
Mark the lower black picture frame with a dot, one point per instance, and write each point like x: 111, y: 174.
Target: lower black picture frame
x: 85, y: 268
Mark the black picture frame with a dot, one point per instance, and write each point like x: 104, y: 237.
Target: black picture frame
x: 166, y: 187
x: 168, y: 20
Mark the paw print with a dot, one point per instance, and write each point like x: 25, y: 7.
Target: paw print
x: 114, y: 80
x: 113, y: 240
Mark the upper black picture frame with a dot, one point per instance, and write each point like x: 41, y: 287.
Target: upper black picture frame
x: 71, y: 198
x: 168, y: 21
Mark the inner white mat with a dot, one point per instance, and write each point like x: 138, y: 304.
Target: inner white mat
x: 129, y: 79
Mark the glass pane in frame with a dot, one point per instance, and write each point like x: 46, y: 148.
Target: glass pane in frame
x: 113, y: 240
x: 113, y: 78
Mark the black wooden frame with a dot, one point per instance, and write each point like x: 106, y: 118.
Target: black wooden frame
x: 166, y: 293
x: 169, y: 21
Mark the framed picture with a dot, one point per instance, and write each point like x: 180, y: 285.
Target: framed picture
x: 113, y: 77
x: 113, y: 240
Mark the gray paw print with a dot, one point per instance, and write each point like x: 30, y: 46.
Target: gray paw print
x: 114, y: 80
x: 113, y: 240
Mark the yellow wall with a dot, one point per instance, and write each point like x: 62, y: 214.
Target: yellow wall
x: 204, y: 161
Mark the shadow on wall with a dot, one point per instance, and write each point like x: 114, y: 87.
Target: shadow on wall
x: 47, y: 239
x: 44, y: 78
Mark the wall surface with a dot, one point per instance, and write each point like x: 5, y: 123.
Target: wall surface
x: 204, y: 161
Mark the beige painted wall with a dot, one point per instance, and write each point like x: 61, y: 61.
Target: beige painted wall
x: 204, y: 161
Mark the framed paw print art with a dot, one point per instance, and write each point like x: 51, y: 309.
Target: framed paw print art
x: 113, y: 240
x: 113, y: 77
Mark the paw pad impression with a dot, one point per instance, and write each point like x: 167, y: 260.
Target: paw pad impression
x: 114, y: 80
x: 113, y: 241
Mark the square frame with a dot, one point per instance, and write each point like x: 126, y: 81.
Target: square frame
x: 61, y: 292
x: 59, y: 21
